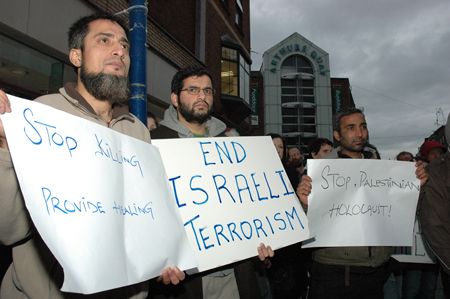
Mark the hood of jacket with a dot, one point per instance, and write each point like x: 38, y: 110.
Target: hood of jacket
x: 214, y: 126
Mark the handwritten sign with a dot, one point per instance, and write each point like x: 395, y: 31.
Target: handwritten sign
x: 99, y: 199
x: 233, y: 194
x: 362, y: 202
x: 417, y: 253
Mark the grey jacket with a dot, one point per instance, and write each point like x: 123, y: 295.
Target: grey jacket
x: 219, y: 280
x: 214, y: 126
x: 34, y: 272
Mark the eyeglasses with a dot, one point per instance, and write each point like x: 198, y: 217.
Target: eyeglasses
x: 208, y: 91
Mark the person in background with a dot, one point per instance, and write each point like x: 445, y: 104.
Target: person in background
x: 319, y: 148
x: 393, y: 286
x: 294, y: 155
x: 405, y: 156
x: 189, y: 116
x: 420, y: 280
x: 431, y: 150
x: 434, y: 212
x: 99, y: 53
x: 296, y: 160
x: 287, y: 274
x: 280, y: 146
x: 152, y: 122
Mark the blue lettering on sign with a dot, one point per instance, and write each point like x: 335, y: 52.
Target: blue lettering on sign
x: 245, y: 186
x: 242, y: 230
x: 222, y: 152
x: 238, y: 189
x: 280, y: 173
x: 220, y: 233
x: 205, y: 152
x: 134, y: 209
x: 55, y: 205
x: 257, y: 188
x: 199, y: 189
x: 51, y: 135
x: 175, y: 193
x: 105, y: 151
x: 222, y: 186
x: 270, y: 189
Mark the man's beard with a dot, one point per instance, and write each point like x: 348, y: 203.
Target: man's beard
x: 105, y: 87
x: 191, y: 116
x: 352, y: 148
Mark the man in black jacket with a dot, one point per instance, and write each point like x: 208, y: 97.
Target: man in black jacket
x: 189, y: 116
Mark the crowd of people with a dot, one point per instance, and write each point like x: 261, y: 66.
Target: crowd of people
x: 99, y: 52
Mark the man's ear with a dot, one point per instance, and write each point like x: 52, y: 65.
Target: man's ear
x: 75, y: 57
x: 336, y: 135
x: 174, y: 99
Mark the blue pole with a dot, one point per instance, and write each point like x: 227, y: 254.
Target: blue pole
x: 138, y: 51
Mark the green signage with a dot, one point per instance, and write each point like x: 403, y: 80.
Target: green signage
x: 296, y: 48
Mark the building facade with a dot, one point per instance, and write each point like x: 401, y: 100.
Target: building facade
x: 210, y: 33
x: 297, y: 98
x: 297, y: 95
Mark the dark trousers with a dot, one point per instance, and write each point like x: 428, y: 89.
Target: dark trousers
x: 347, y: 282
x: 445, y: 277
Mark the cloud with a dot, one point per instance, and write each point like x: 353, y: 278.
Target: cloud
x: 394, y: 53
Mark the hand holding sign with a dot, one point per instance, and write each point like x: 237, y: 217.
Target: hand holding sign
x: 171, y: 275
x: 421, y: 172
x: 304, y: 189
x: 119, y: 210
x: 229, y: 201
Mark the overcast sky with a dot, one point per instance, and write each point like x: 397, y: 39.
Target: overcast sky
x: 396, y: 54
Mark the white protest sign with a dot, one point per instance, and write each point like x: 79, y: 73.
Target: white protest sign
x: 417, y: 253
x: 357, y: 202
x: 99, y: 199
x: 233, y: 194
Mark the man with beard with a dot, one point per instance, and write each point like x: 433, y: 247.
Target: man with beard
x: 99, y: 53
x: 189, y: 116
x: 349, y: 272
x: 192, y: 100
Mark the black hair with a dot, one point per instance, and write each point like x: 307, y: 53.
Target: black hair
x: 315, y: 145
x: 346, y: 112
x: 404, y: 153
x: 177, y: 80
x: 80, y: 28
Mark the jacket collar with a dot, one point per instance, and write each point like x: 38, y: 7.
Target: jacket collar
x: 214, y: 126
x: 119, y: 111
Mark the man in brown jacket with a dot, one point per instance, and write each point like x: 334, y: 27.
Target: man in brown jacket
x: 99, y: 52
x: 349, y: 272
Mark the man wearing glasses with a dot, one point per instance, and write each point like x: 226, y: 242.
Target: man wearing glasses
x: 192, y: 100
x: 189, y: 116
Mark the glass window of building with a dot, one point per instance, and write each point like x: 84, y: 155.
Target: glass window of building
x: 235, y: 74
x: 29, y: 73
x: 298, y: 101
x: 239, y: 14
